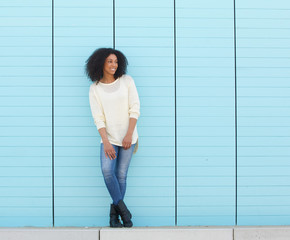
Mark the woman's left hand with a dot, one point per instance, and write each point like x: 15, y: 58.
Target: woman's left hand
x: 127, y: 141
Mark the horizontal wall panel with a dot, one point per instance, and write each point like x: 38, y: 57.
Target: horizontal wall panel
x: 263, y: 112
x: 144, y: 33
x: 25, y: 114
x: 16, y: 81
x: 12, y: 181
x: 80, y: 28
x: 88, y: 161
x: 205, y: 88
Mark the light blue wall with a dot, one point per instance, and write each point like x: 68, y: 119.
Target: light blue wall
x: 145, y: 32
x: 25, y: 113
x: 263, y: 73
x: 81, y: 198
x: 190, y: 112
x: 205, y: 112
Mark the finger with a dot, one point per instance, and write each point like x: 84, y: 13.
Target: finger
x: 113, y: 155
x: 109, y: 155
x: 106, y: 154
x: 126, y: 145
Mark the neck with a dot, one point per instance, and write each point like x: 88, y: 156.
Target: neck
x: 108, y: 78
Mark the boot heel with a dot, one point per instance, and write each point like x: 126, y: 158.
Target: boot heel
x: 125, y: 214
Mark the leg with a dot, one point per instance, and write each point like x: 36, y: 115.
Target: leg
x: 123, y: 162
x: 108, y: 170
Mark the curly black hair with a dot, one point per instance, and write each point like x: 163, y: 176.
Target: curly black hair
x: 95, y: 63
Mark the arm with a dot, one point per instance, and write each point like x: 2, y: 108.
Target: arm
x: 99, y: 119
x: 97, y: 109
x: 108, y: 148
x: 127, y: 141
x: 134, y: 113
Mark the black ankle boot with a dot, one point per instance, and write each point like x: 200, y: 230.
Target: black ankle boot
x: 114, y: 217
x: 125, y: 214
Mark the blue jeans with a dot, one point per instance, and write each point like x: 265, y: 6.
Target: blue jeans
x: 115, y: 171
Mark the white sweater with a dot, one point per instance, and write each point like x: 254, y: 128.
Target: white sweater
x: 112, y: 105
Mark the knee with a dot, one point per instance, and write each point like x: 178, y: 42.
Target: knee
x: 121, y: 175
x: 107, y: 172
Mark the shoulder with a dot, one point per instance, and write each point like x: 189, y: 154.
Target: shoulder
x: 127, y: 79
x: 93, y: 87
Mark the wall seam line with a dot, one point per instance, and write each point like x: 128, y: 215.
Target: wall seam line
x: 114, y: 24
x: 236, y: 119
x: 52, y: 113
x: 175, y: 109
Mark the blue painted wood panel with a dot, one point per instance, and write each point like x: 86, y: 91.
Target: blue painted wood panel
x: 81, y: 197
x: 204, y: 104
x: 25, y: 114
x: 145, y: 33
x: 205, y: 112
x: 263, y: 112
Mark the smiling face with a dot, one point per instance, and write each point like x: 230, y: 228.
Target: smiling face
x: 110, y: 65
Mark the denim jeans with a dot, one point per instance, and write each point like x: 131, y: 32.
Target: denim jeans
x: 115, y: 171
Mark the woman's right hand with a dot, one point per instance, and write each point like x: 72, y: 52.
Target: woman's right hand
x: 109, y: 150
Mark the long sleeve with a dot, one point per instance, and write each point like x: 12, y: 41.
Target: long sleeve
x: 134, y: 102
x: 97, y: 109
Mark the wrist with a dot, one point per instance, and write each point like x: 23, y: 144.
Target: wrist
x: 129, y: 133
x: 105, y: 141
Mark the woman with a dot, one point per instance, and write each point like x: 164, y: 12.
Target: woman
x: 115, y: 108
